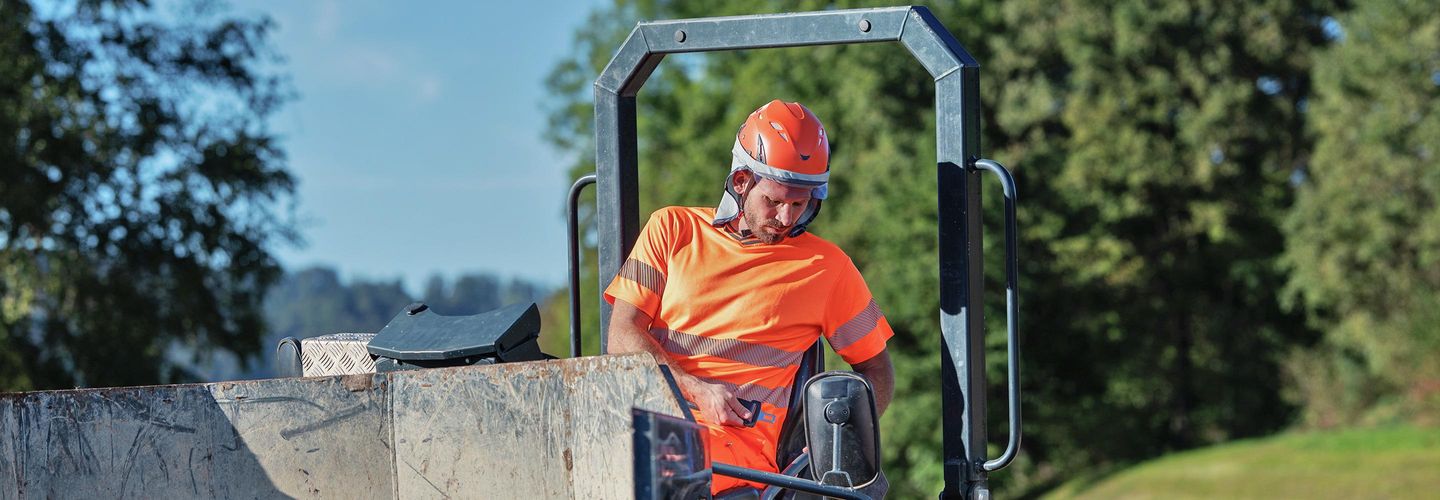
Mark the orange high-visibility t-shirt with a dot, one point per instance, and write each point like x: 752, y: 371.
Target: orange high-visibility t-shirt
x: 732, y: 310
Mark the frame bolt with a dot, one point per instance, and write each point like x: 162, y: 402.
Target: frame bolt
x: 864, y: 25
x: 679, y: 36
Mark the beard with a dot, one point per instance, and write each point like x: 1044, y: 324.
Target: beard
x: 756, y: 224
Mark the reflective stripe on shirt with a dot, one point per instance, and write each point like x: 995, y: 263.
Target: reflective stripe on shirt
x: 644, y: 274
x: 734, y: 350
x: 857, y: 327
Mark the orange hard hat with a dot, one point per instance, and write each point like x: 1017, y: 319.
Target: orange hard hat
x: 786, y: 143
x: 784, y: 139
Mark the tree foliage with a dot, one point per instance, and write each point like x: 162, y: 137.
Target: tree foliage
x: 1153, y: 142
x: 140, y: 190
x: 1158, y: 140
x: 1365, y: 231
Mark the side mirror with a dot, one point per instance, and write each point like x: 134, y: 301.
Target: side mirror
x: 671, y: 459
x: 842, y: 429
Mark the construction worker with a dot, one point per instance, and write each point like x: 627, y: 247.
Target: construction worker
x: 731, y: 297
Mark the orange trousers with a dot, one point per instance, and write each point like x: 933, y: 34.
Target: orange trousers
x: 741, y: 446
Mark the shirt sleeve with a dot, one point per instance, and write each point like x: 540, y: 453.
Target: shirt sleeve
x: 854, y: 325
x: 641, y: 280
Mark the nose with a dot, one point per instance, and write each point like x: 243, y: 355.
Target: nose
x: 788, y: 214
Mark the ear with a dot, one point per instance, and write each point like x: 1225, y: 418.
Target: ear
x: 742, y: 180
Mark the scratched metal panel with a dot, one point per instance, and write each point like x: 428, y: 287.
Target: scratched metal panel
x: 600, y: 400
x: 557, y: 429
x: 260, y: 439
x: 142, y: 442
x: 314, y: 437
x: 9, y: 481
x: 480, y: 432
x: 552, y: 429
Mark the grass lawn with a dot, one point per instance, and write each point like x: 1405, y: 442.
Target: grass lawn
x: 1396, y: 462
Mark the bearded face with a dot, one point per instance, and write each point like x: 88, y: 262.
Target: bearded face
x: 770, y: 208
x: 770, y: 231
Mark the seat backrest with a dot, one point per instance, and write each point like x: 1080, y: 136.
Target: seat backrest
x: 792, y: 432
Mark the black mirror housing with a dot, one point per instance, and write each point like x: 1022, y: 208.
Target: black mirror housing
x: 842, y: 429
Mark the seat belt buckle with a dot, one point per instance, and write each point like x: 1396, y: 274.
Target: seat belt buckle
x: 756, y: 414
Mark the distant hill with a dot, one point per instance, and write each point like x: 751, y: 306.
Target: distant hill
x: 315, y: 301
x: 1397, y: 462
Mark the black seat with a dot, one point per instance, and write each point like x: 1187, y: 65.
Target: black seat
x: 792, y: 433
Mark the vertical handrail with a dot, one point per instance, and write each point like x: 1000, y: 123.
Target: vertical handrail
x: 1012, y: 313
x: 572, y: 210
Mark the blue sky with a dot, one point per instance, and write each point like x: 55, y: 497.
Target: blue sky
x: 416, y: 136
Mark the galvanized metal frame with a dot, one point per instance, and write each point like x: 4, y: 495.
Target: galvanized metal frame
x: 957, y: 128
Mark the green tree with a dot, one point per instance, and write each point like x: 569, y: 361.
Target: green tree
x: 1153, y: 143
x: 140, y: 190
x: 1364, y: 234
x: 1158, y: 139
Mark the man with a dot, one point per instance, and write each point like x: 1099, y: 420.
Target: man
x: 731, y: 297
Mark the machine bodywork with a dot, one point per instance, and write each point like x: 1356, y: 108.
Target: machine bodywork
x: 548, y: 429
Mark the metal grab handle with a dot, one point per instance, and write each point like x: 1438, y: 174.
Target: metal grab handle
x: 1012, y: 313
x: 573, y: 213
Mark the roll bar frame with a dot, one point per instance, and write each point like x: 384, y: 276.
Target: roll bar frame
x: 957, y: 128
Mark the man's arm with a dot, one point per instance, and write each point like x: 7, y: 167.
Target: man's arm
x: 882, y: 377
x: 629, y: 332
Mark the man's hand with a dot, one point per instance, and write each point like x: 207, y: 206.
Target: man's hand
x: 716, y: 402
